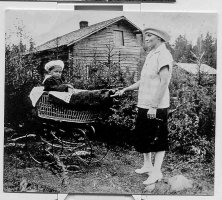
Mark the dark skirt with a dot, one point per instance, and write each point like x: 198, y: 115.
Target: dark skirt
x: 151, y: 135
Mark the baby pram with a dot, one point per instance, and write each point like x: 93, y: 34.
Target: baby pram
x: 67, y: 139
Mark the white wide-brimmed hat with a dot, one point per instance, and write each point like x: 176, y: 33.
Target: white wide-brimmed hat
x: 162, y: 34
x: 54, y: 63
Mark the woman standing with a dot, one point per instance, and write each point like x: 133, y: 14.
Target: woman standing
x: 153, y: 103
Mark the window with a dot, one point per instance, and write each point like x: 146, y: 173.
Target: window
x: 118, y: 38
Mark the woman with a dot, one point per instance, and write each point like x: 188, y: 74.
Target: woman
x: 153, y: 102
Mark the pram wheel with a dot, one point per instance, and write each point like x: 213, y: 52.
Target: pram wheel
x: 99, y: 148
x: 39, y: 151
x: 59, y: 148
x: 67, y: 138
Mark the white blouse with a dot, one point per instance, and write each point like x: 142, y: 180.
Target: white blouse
x: 150, y: 78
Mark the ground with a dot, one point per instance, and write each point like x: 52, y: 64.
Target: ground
x: 114, y: 174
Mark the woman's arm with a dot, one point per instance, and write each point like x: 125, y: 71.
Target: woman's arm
x: 129, y: 88
x: 164, y: 77
x: 132, y: 87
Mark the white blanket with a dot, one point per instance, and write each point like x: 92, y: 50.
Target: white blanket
x: 65, y: 96
x: 35, y: 94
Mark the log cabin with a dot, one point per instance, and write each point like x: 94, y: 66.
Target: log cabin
x: 117, y: 40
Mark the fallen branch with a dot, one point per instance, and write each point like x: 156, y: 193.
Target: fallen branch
x: 22, y: 137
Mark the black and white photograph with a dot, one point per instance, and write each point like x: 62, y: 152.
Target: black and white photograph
x: 110, y: 102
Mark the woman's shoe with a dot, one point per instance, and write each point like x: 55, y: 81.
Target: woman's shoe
x: 153, y: 178
x: 144, y: 170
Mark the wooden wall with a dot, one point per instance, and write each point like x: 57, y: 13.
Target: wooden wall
x: 99, y: 44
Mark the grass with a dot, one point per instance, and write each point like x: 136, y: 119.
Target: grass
x: 113, y: 175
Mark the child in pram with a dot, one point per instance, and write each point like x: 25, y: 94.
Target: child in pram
x: 79, y: 98
x: 53, y: 80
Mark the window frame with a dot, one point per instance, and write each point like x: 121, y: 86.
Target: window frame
x: 119, y: 43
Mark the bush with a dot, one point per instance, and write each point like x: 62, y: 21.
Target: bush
x: 192, y: 127
x: 119, y: 123
x: 21, y: 75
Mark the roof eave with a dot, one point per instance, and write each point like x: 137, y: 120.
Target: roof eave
x: 73, y: 42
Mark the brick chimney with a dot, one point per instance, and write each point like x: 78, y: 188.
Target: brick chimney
x: 83, y: 24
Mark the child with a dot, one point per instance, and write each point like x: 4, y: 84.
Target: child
x: 82, y: 99
x: 53, y: 80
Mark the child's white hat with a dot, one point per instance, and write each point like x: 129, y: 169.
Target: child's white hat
x: 54, y: 63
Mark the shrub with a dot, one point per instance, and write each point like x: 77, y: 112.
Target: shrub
x: 192, y: 127
x: 119, y: 123
x: 21, y: 75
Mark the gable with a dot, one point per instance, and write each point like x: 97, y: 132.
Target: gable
x: 75, y: 36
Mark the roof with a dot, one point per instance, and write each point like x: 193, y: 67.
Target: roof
x: 193, y: 68
x: 75, y: 36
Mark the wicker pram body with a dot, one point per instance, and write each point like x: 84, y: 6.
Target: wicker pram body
x: 49, y: 110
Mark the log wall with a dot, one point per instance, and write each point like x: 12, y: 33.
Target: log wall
x: 101, y: 45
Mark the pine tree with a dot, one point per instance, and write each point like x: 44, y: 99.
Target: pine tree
x: 182, y: 50
x: 209, y: 46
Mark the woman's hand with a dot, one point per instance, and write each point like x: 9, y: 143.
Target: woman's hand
x: 120, y: 92
x: 70, y: 90
x: 151, y: 113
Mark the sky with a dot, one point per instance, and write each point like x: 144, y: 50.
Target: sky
x: 48, y: 24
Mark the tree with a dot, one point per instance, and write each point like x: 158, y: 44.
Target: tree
x: 21, y: 73
x: 182, y: 50
x: 207, y: 45
x: 98, y: 72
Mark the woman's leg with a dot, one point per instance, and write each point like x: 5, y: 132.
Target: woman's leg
x: 156, y: 173
x: 159, y: 156
x: 147, y: 165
